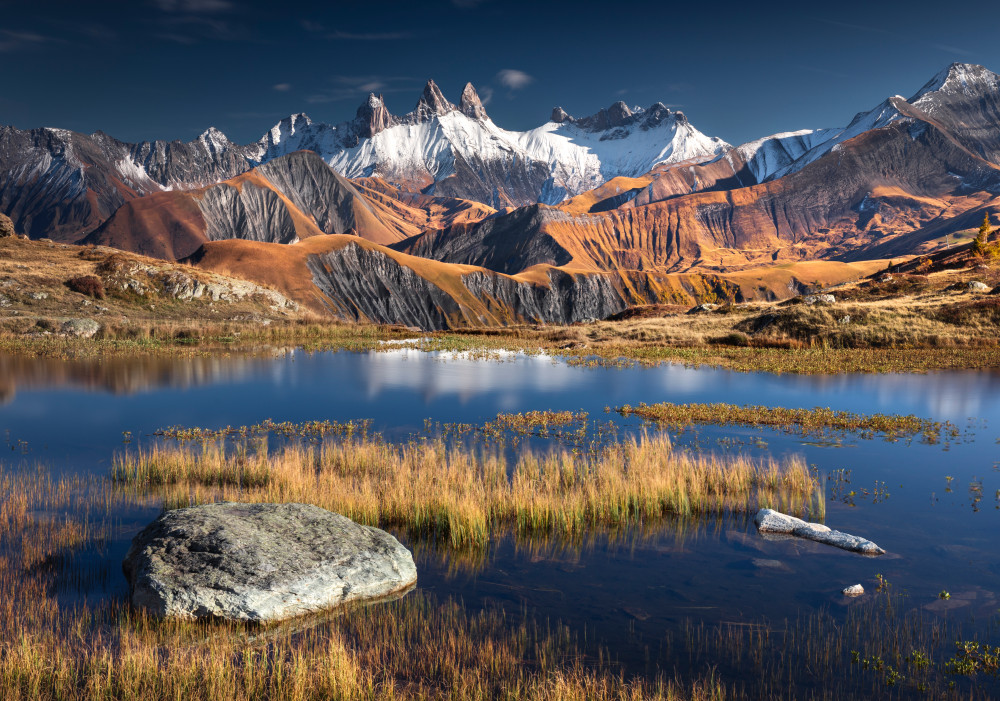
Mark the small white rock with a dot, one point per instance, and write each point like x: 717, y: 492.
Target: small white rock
x: 854, y: 590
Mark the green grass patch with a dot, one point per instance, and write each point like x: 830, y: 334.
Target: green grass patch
x: 817, y: 421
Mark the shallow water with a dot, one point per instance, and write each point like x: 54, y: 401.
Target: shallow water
x: 631, y: 592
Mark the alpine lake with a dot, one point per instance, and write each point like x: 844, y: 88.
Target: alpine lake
x: 685, y: 597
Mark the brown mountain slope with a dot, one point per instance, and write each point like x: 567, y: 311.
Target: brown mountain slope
x: 355, y: 279
x: 420, y: 210
x: 288, y: 199
x: 358, y: 280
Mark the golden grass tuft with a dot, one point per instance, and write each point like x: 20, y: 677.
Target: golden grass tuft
x: 460, y: 496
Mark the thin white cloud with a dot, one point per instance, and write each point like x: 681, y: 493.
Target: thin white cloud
x: 195, y: 6
x: 485, y: 95
x: 283, y: 87
x: 347, y: 87
x: 193, y: 28
x: 951, y: 49
x: 514, y: 79
x: 856, y: 27
x: 11, y: 41
x: 370, y: 36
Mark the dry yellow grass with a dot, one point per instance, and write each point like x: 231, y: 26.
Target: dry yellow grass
x: 463, y: 497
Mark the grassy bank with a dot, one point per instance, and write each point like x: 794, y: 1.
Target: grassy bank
x: 461, y: 496
x: 194, y: 337
x: 919, y: 320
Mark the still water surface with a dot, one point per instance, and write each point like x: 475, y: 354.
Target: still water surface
x: 625, y: 593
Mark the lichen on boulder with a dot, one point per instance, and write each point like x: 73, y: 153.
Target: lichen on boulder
x: 261, y: 562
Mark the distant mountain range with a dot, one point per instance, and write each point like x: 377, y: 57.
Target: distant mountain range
x: 624, y: 207
x: 63, y: 184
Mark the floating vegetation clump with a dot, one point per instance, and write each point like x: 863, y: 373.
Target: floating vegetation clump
x: 818, y: 421
x: 286, y: 429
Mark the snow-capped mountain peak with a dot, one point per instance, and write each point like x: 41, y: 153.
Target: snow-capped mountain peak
x: 214, y: 140
x: 286, y: 128
x: 372, y: 117
x: 958, y: 78
x: 432, y: 103
x: 438, y: 141
x: 783, y: 154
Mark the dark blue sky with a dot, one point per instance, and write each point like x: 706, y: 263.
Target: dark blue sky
x: 141, y: 69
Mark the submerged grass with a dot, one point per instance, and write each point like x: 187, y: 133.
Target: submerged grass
x: 460, y: 495
x: 417, y: 647
x: 816, y: 421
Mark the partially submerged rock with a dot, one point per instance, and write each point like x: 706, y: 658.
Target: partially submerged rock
x: 765, y: 564
x: 853, y: 590
x: 261, y: 562
x: 770, y: 521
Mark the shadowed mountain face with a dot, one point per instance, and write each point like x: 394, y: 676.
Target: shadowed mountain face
x: 286, y: 200
x: 60, y: 184
x: 357, y: 280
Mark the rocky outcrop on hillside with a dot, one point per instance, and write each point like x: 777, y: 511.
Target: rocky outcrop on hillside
x: 6, y: 227
x: 125, y: 274
x: 508, y: 243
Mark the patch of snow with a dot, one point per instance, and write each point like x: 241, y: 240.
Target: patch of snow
x: 135, y: 175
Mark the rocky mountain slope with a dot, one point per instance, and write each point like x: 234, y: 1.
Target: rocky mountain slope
x: 285, y: 200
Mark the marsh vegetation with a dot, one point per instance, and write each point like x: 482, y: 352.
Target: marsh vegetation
x: 464, y: 496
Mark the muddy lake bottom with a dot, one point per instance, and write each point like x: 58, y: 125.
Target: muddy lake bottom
x: 685, y: 597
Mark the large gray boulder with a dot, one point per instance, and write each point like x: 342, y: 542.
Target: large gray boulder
x: 770, y: 521
x: 261, y: 562
x: 80, y: 328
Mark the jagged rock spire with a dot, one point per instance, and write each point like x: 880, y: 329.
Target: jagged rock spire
x: 559, y: 115
x: 432, y: 102
x: 372, y: 116
x: 618, y: 114
x: 656, y: 113
x: 470, y: 104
